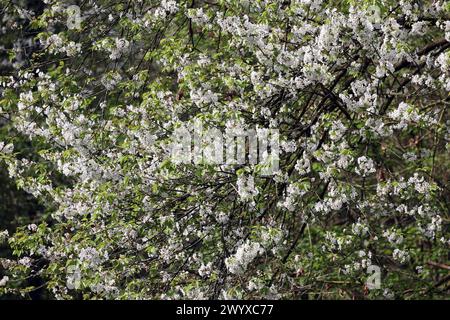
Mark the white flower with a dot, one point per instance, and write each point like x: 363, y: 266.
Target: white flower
x: 443, y: 61
x: 4, y: 235
x: 25, y: 261
x: 54, y: 41
x: 120, y: 47
x: 4, y: 280
x: 167, y: 7
x: 198, y: 16
x: 202, y: 98
x: 303, y: 165
x: 56, y: 44
x: 447, y: 31
x: 344, y: 161
x: 222, y: 217
x: 92, y: 256
x: 72, y: 48
x: 393, y: 237
x: 246, y: 187
x: 111, y: 80
x: 32, y: 227
x: 418, y: 28
x: 7, y: 149
x: 205, y: 270
x: 400, y: 255
x: 419, y: 183
x: 337, y: 130
x: 405, y: 114
x: 365, y: 166
x: 359, y: 229
x: 246, y: 253
x: 254, y: 285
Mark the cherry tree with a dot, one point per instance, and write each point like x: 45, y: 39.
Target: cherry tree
x: 358, y: 91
